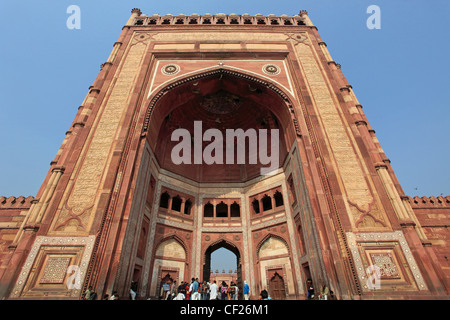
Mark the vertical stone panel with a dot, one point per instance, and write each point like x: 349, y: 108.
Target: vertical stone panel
x: 80, y: 204
x: 363, y: 205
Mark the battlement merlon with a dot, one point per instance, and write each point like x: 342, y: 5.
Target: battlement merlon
x: 429, y: 202
x: 139, y: 19
x: 16, y: 202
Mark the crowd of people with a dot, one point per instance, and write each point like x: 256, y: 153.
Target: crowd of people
x: 196, y: 290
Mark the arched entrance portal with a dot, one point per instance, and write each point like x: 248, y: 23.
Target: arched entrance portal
x: 207, y: 264
x: 226, y: 203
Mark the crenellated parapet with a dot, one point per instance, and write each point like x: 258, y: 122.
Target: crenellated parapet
x: 429, y: 202
x: 433, y: 214
x: 15, y: 202
x: 219, y: 19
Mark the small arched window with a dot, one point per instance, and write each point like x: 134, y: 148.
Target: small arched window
x: 208, y: 210
x: 267, y: 203
x: 235, y: 210
x: 164, y: 202
x: 255, y: 204
x: 278, y: 199
x: 187, y: 206
x: 222, y: 210
x: 176, y: 203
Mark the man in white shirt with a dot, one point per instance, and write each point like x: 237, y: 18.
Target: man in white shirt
x: 213, y: 291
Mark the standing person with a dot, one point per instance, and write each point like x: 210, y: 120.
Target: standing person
x: 232, y: 290
x: 133, y: 291
x: 236, y: 294
x: 182, y: 288
x: 310, y: 289
x: 224, y: 290
x: 132, y: 294
x: 246, y: 291
x: 213, y: 291
x: 173, y: 290
x: 188, y: 291
x: 205, y: 290
x: 88, y: 293
x: 200, y: 290
x: 194, y: 289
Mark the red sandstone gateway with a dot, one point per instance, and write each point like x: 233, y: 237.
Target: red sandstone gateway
x: 116, y: 213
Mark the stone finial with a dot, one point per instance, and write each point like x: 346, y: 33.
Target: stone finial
x: 303, y: 12
x: 136, y: 10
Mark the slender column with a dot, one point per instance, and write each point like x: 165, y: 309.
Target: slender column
x: 183, y: 204
x: 25, y: 222
x: 394, y: 197
x: 45, y: 197
x: 412, y: 216
x: 325, y: 51
x: 57, y: 172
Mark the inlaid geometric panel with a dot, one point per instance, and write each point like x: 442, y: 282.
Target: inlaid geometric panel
x: 385, y: 262
x: 55, y: 270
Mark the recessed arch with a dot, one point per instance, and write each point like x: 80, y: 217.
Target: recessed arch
x: 260, y: 107
x: 178, y: 240
x: 267, y: 237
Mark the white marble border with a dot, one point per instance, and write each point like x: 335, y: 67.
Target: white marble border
x: 86, y: 242
x: 354, y: 238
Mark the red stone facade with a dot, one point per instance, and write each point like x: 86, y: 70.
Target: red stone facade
x: 115, y: 210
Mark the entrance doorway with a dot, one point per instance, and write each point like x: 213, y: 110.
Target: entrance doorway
x: 276, y: 287
x: 219, y: 252
x: 165, y: 285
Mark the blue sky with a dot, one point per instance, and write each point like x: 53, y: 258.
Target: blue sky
x: 400, y: 74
